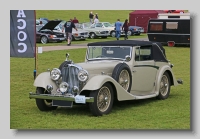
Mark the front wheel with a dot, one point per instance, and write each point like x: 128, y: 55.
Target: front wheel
x: 92, y: 35
x: 103, y: 100
x: 44, y: 40
x: 42, y: 104
x: 165, y: 85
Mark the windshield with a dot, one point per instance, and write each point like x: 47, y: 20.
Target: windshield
x: 107, y: 25
x: 38, y: 27
x: 108, y: 52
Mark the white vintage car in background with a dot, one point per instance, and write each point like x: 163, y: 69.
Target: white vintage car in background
x: 110, y: 27
x: 93, y: 32
x: 112, y: 70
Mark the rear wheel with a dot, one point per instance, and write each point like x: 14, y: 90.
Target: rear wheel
x: 42, y: 104
x: 165, y: 85
x: 113, y: 34
x: 103, y: 100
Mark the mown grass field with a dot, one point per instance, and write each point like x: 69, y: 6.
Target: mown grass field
x: 172, y: 113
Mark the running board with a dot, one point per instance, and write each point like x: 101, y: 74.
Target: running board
x: 145, y: 97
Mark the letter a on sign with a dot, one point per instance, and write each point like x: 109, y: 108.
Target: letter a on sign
x: 22, y: 33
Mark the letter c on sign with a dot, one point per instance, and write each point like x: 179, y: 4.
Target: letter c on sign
x: 24, y: 24
x: 24, y: 49
x: 24, y: 37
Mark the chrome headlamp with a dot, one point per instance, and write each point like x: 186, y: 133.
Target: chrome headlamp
x: 83, y: 75
x: 55, y: 74
x: 63, y: 87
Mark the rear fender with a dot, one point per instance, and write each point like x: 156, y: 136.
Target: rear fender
x: 171, y: 75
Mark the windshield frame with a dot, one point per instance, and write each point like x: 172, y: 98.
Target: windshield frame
x: 107, y: 58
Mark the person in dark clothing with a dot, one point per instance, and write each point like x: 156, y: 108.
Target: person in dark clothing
x: 91, y: 16
x: 125, y: 29
x: 75, y: 20
x: 96, y: 15
x: 68, y: 31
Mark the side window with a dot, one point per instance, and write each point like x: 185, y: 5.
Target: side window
x: 143, y: 53
x: 156, y: 26
x: 98, y: 25
x: 171, y: 25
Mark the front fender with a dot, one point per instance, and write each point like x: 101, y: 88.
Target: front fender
x: 43, y: 79
x: 97, y: 81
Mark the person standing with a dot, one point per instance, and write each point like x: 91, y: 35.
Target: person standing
x: 125, y: 29
x: 68, y: 31
x: 118, y: 26
x: 91, y: 16
x: 96, y: 15
x: 75, y: 20
x: 96, y: 20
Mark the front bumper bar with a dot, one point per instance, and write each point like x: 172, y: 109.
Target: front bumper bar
x: 57, y: 97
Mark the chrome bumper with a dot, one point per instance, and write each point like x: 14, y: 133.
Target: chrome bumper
x: 57, y: 97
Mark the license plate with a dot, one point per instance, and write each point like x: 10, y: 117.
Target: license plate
x: 79, y: 99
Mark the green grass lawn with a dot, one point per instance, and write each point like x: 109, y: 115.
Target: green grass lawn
x: 83, y: 15
x: 172, y: 113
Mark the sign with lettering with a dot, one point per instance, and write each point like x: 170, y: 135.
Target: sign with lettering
x: 22, y: 33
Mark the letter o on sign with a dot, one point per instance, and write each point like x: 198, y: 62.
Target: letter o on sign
x: 24, y: 36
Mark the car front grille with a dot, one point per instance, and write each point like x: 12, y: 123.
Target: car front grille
x: 60, y: 35
x: 85, y: 33
x: 70, y: 76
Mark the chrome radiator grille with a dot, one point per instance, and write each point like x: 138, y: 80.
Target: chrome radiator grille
x: 70, y: 75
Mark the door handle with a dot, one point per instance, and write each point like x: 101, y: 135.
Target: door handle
x: 134, y: 70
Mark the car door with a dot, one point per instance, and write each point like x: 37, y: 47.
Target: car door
x: 143, y: 72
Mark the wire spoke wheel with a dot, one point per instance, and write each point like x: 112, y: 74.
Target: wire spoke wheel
x: 124, y: 79
x: 164, y: 85
x: 103, y: 99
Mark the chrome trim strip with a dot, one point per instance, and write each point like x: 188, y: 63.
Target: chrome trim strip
x: 168, y: 33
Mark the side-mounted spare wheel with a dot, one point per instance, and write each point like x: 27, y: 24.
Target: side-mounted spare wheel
x: 165, y: 85
x: 103, y: 100
x: 42, y: 104
x: 122, y: 74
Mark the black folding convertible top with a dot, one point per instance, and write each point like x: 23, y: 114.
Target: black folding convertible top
x: 158, y: 52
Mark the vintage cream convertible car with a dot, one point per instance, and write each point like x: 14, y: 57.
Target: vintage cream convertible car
x: 113, y: 70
